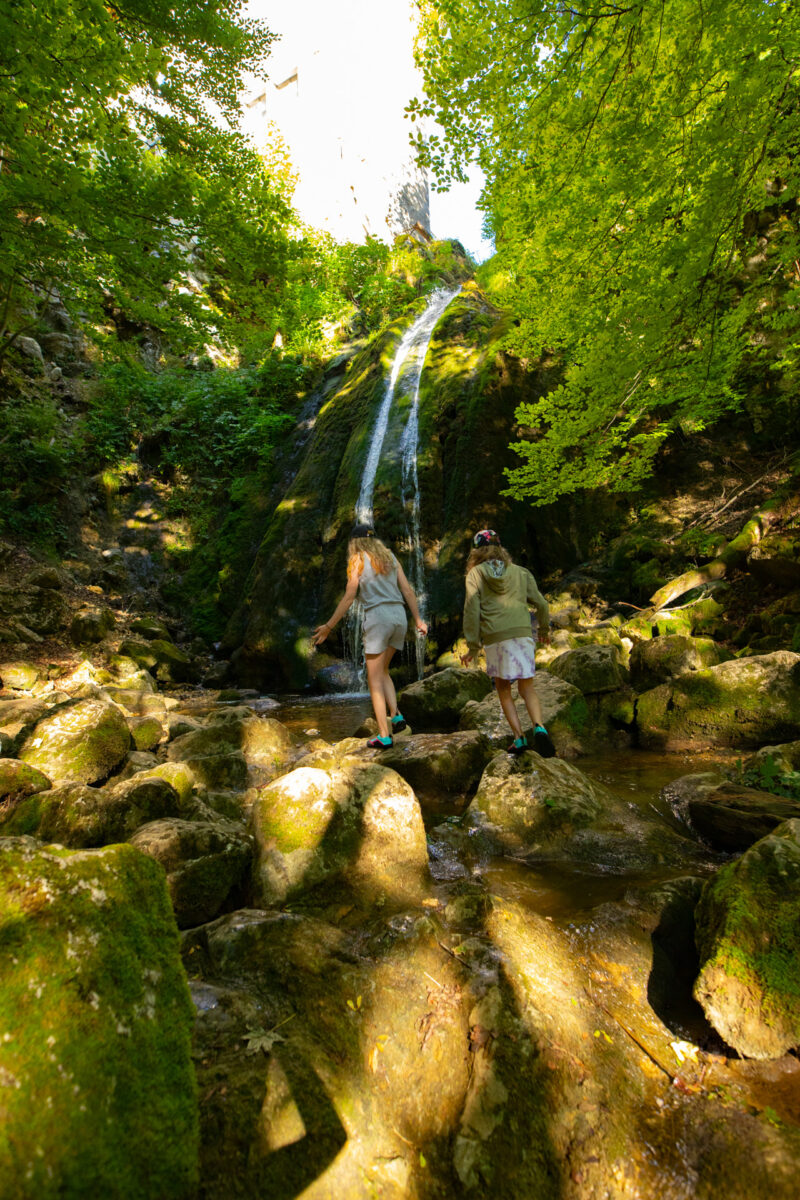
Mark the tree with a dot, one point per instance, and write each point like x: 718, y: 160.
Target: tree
x: 642, y: 182
x: 123, y: 182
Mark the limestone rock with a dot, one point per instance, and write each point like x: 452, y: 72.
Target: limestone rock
x: 748, y: 937
x: 18, y: 780
x: 357, y: 820
x: 545, y: 809
x: 91, y: 625
x: 254, y: 748
x: 99, y: 1090
x: 146, y: 732
x: 167, y: 662
x: 19, y: 675
x: 438, y: 701
x: 79, y: 742
x: 448, y: 762
x: 135, y: 762
x: 662, y: 658
x: 82, y: 817
x: 731, y: 817
x: 565, y: 711
x: 591, y: 669
x: 745, y: 702
x: 151, y: 629
x: 204, y: 860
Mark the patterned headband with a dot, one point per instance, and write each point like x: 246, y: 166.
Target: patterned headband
x: 485, y: 537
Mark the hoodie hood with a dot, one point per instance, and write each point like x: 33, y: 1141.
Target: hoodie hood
x: 495, y: 574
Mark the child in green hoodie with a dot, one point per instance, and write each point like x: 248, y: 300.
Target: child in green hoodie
x: 497, y: 616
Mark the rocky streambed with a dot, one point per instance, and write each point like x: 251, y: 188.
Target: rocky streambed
x: 244, y: 955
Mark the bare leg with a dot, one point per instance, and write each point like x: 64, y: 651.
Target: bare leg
x: 375, y: 676
x: 528, y: 696
x: 389, y: 693
x: 507, y: 704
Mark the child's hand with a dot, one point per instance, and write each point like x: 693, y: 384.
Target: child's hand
x: 422, y: 627
x: 466, y: 659
x: 544, y: 637
x: 320, y: 634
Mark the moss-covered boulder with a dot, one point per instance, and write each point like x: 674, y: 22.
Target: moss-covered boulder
x: 151, y: 629
x: 545, y: 809
x: 356, y: 820
x: 229, y: 754
x: 591, y: 669
x: 654, y: 662
x: 745, y: 702
x: 135, y: 762
x: 19, y: 675
x: 99, y: 1094
x: 565, y: 711
x: 91, y: 625
x: 80, y: 816
x: 18, y: 780
x: 439, y: 762
x: 79, y: 742
x: 438, y: 701
x: 748, y: 937
x: 146, y: 732
x: 204, y: 860
x: 178, y: 774
x: 161, y: 658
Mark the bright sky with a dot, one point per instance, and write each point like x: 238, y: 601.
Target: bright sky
x: 376, y: 56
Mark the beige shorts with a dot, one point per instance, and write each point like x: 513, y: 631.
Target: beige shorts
x: 384, y: 625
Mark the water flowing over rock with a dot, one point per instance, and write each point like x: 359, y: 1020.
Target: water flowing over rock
x: 99, y: 1092
x: 748, y: 936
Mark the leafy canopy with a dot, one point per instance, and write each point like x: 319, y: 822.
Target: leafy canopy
x: 642, y: 182
x: 121, y: 185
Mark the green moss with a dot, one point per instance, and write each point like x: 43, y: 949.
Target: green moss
x: 99, y: 1096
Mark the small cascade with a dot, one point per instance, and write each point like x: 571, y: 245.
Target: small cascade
x: 408, y: 361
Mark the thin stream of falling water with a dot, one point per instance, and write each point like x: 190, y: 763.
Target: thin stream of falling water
x: 412, y: 350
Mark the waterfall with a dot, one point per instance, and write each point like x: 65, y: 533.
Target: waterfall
x: 408, y: 360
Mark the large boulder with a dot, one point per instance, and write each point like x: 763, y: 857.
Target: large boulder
x: 167, y: 662
x: 745, y: 702
x: 229, y: 754
x: 439, y: 762
x: 748, y: 937
x: 19, y: 675
x: 565, y: 711
x: 99, y: 1094
x: 356, y: 820
x: 654, y: 662
x: 80, y: 816
x: 545, y: 809
x: 438, y: 701
x: 79, y: 742
x: 591, y: 669
x: 91, y: 625
x: 204, y: 860
x: 731, y: 817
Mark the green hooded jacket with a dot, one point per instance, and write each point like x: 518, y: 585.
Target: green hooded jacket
x: 497, y: 604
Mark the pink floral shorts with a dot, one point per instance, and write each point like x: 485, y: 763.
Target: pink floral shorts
x: 515, y: 658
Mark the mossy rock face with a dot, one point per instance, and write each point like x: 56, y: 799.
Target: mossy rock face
x: 662, y: 658
x: 18, y: 780
x: 80, y: 816
x: 42, y: 610
x: 591, y: 669
x: 731, y: 817
x: 745, y: 702
x: 226, y: 771
x: 178, y: 774
x: 80, y: 742
x: 203, y: 861
x: 438, y: 701
x: 151, y: 629
x: 167, y: 662
x: 748, y: 937
x: 356, y: 820
x: 91, y: 625
x: 433, y: 762
x: 546, y: 809
x: 99, y: 1095
x: 260, y: 739
x: 564, y: 708
x: 20, y: 675
x: 146, y: 732
x: 136, y: 762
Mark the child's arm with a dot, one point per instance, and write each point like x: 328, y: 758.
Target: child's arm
x: 410, y: 599
x: 534, y: 596
x: 350, y: 592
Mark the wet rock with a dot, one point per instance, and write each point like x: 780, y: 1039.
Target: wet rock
x: 79, y: 742
x: 204, y: 861
x: 565, y: 711
x: 546, y: 809
x: 748, y: 937
x: 19, y: 675
x: 731, y: 817
x: 745, y: 702
x: 356, y: 820
x: 340, y: 677
x: 146, y: 732
x: 591, y: 669
x: 448, y: 762
x: 662, y: 658
x: 438, y: 701
x: 18, y: 780
x: 97, y: 1025
x: 79, y: 816
x: 91, y: 625
x: 217, y: 675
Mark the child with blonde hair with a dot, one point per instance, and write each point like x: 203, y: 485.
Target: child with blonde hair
x: 375, y: 575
